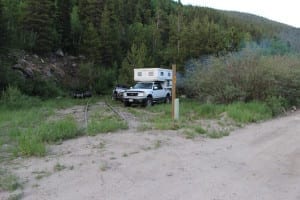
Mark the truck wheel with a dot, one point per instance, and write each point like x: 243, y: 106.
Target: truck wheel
x: 149, y: 102
x: 126, y: 103
x: 114, y: 96
x: 168, y: 99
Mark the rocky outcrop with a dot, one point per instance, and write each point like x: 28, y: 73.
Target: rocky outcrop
x: 55, y: 66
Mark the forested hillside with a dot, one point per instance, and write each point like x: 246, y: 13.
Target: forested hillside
x: 116, y: 35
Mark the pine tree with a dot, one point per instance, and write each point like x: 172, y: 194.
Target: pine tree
x: 39, y: 21
x: 91, y: 43
x: 137, y: 57
x: 110, y: 36
x: 63, y: 23
x: 2, y: 26
x: 90, y: 11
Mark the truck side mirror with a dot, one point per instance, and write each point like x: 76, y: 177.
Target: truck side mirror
x: 155, y: 88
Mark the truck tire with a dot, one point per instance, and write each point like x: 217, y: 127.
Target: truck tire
x: 149, y: 102
x: 126, y: 103
x: 168, y: 99
x: 114, y: 96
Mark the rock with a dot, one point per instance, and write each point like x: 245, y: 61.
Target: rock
x: 26, y: 71
x: 59, y: 52
x: 24, y: 62
x: 81, y: 57
x: 29, y: 72
x: 72, y: 58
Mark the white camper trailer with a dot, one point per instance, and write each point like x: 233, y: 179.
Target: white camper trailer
x: 154, y: 74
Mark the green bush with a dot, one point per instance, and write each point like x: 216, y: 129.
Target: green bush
x: 276, y: 104
x: 41, y: 88
x: 245, y: 76
x: 95, y: 78
x: 14, y: 99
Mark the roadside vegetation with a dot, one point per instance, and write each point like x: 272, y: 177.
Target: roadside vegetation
x: 254, y: 74
x: 196, y: 118
x: 26, y: 125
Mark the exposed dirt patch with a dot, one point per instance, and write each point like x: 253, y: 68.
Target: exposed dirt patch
x: 260, y: 161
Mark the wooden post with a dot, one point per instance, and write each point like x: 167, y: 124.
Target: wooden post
x: 173, y: 90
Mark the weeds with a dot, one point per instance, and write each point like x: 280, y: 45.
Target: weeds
x: 200, y: 130
x: 249, y: 112
x: 8, y: 182
x: 59, y: 167
x: 157, y: 144
x: 189, y: 134
x: 218, y: 134
x: 58, y: 130
x: 41, y: 174
x: 104, y: 122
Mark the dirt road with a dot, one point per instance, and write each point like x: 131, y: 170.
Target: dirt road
x: 258, y: 162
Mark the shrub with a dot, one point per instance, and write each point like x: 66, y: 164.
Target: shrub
x: 248, y: 75
x: 95, y: 78
x: 41, y: 88
x: 14, y: 99
x: 276, y: 104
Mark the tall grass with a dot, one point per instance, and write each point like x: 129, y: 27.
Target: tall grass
x: 248, y: 112
x: 58, y: 130
x: 193, y: 110
x: 25, y: 125
x: 104, y: 121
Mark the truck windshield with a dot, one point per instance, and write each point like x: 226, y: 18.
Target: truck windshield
x: 143, y: 86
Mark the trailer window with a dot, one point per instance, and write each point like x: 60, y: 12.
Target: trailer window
x: 139, y: 74
x: 161, y: 73
x: 150, y: 74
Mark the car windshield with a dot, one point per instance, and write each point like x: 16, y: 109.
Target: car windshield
x: 143, y: 86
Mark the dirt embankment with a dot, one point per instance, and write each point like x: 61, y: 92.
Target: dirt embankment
x: 258, y: 162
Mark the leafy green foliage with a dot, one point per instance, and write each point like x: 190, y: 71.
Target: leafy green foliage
x: 117, y: 36
x: 245, y: 76
x: 13, y: 98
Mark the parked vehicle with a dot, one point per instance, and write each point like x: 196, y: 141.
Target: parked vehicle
x: 153, y: 86
x: 82, y: 94
x: 118, y: 91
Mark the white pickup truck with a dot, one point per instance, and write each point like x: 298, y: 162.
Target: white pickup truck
x: 153, y: 86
